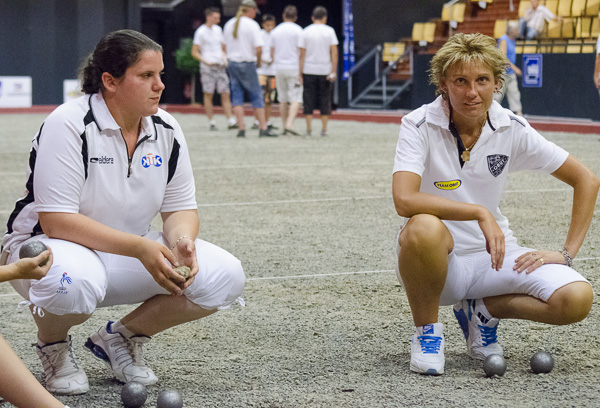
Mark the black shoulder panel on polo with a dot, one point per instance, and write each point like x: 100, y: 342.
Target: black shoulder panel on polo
x: 84, y: 153
x: 158, y: 121
x: 28, y: 199
x: 173, y: 160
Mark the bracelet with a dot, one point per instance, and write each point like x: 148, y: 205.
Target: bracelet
x: 179, y: 239
x: 567, y: 256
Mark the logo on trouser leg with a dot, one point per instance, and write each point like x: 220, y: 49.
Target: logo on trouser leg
x: 65, y: 280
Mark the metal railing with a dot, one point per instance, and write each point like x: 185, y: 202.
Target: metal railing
x: 375, y: 55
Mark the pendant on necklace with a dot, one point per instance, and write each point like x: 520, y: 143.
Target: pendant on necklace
x: 466, y: 156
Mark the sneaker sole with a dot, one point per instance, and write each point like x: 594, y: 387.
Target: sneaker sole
x: 430, y: 371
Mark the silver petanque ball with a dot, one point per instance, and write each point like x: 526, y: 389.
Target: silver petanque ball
x: 32, y: 249
x: 494, y: 365
x: 169, y: 399
x: 541, y: 362
x: 133, y: 394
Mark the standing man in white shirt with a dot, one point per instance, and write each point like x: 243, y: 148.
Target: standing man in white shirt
x: 286, y: 58
x: 209, y: 49
x: 243, y: 44
x: 318, y: 67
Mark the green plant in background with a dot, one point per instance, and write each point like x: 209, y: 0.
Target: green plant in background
x: 188, y: 64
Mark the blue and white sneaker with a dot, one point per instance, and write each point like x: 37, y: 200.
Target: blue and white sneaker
x: 480, y: 332
x: 427, y: 350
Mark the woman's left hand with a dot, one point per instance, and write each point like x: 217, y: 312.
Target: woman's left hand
x: 185, y: 252
x: 532, y: 260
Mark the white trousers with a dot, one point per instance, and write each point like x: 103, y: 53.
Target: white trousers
x: 81, y: 280
x: 510, y: 89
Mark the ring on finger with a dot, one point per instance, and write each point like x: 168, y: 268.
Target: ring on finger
x: 535, y: 258
x: 541, y: 260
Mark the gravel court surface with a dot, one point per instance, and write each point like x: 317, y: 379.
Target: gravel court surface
x: 294, y: 207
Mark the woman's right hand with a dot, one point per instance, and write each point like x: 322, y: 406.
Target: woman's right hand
x: 494, y: 239
x: 156, y: 258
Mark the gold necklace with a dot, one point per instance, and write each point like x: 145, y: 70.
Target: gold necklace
x: 466, y: 154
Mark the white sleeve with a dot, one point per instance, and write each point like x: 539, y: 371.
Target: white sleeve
x: 180, y: 193
x: 197, y: 37
x: 59, y: 174
x: 257, y: 34
x: 301, y: 40
x: 533, y: 152
x: 334, y: 39
x: 412, y: 148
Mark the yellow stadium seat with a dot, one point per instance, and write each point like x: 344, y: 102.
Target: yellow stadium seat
x: 417, y: 32
x: 500, y: 28
x: 545, y: 46
x: 568, y: 28
x: 559, y: 48
x: 552, y: 5
x: 564, y: 7
x: 583, y: 27
x: 392, y: 51
x: 595, y: 31
x: 592, y: 8
x: 523, y: 5
x: 574, y: 46
x: 429, y: 32
x: 588, y: 46
x: 554, y: 27
x: 578, y: 8
x: 455, y: 12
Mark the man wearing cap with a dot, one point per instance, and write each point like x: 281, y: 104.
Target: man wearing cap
x: 243, y: 43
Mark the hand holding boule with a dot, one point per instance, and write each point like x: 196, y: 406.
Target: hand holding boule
x: 183, y: 271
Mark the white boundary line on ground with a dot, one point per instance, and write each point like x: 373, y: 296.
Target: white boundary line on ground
x: 333, y: 199
x: 318, y: 275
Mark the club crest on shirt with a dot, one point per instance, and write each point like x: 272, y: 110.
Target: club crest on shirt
x: 448, y: 185
x: 151, y: 159
x: 496, y: 163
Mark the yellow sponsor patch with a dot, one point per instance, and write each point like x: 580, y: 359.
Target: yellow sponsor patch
x: 448, y: 185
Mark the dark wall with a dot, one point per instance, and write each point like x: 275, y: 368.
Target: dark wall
x: 48, y: 39
x: 567, y: 88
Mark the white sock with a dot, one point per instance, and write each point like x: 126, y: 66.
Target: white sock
x: 232, y: 120
x: 118, y: 327
x: 213, y: 122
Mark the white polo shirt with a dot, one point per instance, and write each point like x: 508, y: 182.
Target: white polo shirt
x: 210, y: 40
x: 508, y: 143
x: 242, y: 48
x: 284, y: 40
x: 317, y: 40
x: 79, y: 164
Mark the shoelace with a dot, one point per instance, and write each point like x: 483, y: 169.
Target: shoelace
x: 137, y: 353
x: 488, y: 334
x: 430, y: 344
x: 122, y: 351
x: 59, y: 361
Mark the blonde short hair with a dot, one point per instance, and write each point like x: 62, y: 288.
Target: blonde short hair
x: 465, y: 48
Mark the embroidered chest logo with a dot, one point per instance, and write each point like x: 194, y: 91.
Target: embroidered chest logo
x: 65, y: 280
x: 448, y: 185
x: 496, y: 163
x: 151, y: 160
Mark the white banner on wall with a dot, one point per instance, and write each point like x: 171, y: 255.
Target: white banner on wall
x: 71, y: 89
x: 15, y: 92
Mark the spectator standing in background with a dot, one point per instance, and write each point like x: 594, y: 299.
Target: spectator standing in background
x: 243, y: 45
x: 531, y: 25
x: 508, y: 45
x: 266, y: 72
x: 286, y: 57
x: 209, y: 49
x: 318, y: 67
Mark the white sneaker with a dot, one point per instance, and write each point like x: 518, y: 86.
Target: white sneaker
x: 427, y: 350
x: 480, y: 332
x: 63, y: 373
x: 121, y: 354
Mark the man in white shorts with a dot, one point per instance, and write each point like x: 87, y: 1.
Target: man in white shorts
x: 286, y: 58
x: 209, y: 49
